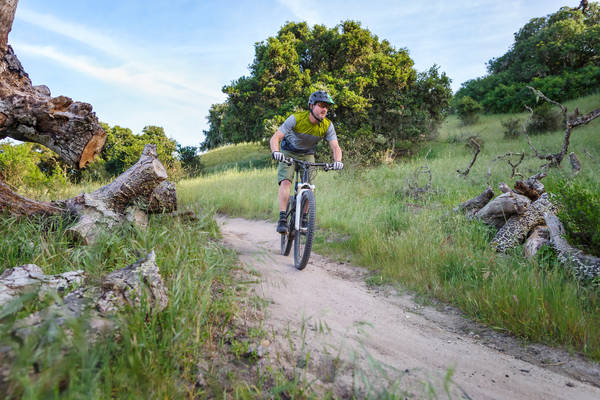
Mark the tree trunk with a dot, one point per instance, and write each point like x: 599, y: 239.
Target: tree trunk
x: 539, y: 237
x: 518, y: 226
x: 498, y: 211
x: 584, y: 265
x: 30, y: 114
x: 16, y: 205
x: 476, y: 203
x: 143, y: 185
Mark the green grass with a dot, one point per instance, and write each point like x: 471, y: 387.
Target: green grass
x: 367, y: 216
x: 156, y: 355
x: 240, y: 156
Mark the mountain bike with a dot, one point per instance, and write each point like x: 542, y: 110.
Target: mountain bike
x: 301, y: 212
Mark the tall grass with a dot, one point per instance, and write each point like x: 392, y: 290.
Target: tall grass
x: 151, y: 355
x: 367, y: 216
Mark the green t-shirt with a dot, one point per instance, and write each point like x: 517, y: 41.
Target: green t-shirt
x: 301, y: 136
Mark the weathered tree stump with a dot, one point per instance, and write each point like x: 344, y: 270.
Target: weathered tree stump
x: 29, y: 113
x: 139, y: 186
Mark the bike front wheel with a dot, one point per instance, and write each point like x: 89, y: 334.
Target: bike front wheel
x: 303, y: 239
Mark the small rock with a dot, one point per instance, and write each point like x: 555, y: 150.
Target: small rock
x: 570, y: 384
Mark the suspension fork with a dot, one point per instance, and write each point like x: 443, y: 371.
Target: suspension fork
x: 299, y: 212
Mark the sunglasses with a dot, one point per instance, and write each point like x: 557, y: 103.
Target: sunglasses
x: 323, y: 104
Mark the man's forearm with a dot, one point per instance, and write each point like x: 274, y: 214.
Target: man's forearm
x: 275, y: 140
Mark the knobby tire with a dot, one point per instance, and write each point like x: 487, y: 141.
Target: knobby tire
x: 303, y: 239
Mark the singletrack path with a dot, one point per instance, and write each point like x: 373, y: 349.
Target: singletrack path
x: 335, y: 333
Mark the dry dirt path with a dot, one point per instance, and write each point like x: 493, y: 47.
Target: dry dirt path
x: 327, y: 327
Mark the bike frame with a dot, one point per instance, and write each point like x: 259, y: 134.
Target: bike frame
x: 302, y: 182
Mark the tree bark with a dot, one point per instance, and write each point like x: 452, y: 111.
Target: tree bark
x: 584, y: 265
x: 29, y: 113
x: 518, y: 226
x: 13, y: 204
x: 477, y: 203
x: 135, y: 285
x: 532, y: 187
x: 539, y: 237
x: 498, y: 211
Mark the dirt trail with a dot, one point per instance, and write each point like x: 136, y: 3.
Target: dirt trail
x: 326, y: 324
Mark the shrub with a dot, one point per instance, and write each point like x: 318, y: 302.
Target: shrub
x: 545, y: 118
x: 579, y: 213
x: 513, y: 128
x: 467, y: 110
x: 20, y: 169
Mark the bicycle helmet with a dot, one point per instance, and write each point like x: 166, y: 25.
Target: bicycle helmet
x: 320, y: 95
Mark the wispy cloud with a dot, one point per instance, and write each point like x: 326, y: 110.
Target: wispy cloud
x: 136, y: 70
x: 304, y: 10
x: 143, y: 80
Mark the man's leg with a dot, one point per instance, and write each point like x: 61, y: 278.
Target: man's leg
x: 284, y: 194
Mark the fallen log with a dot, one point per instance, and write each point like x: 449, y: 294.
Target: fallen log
x: 141, y: 186
x: 477, y: 203
x: 15, y: 282
x: 29, y: 113
x: 583, y: 265
x: 133, y: 286
x: 498, y: 211
x: 519, y: 225
x: 539, y: 237
x: 13, y: 204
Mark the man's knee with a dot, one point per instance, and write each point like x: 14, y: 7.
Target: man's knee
x: 285, y: 183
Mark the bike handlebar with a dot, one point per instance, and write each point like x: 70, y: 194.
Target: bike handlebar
x: 291, y: 160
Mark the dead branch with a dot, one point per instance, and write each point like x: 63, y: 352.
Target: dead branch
x: 554, y: 159
x: 414, y: 189
x: 507, y: 157
x: 476, y: 148
x: 575, y: 164
x: 477, y: 203
x: 532, y: 187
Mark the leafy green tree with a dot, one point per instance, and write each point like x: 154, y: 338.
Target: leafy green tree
x: 468, y: 110
x: 558, y: 54
x: 381, y: 100
x: 190, y: 159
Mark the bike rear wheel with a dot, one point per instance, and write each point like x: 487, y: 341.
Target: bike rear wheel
x: 303, y: 239
x: 288, y: 239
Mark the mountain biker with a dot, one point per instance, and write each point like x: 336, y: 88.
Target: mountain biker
x: 299, y: 136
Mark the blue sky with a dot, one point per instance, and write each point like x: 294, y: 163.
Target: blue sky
x: 164, y: 62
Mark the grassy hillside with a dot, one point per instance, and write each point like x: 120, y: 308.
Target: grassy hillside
x: 368, y: 217
x: 240, y: 156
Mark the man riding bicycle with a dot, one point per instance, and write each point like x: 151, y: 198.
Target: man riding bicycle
x: 299, y: 136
